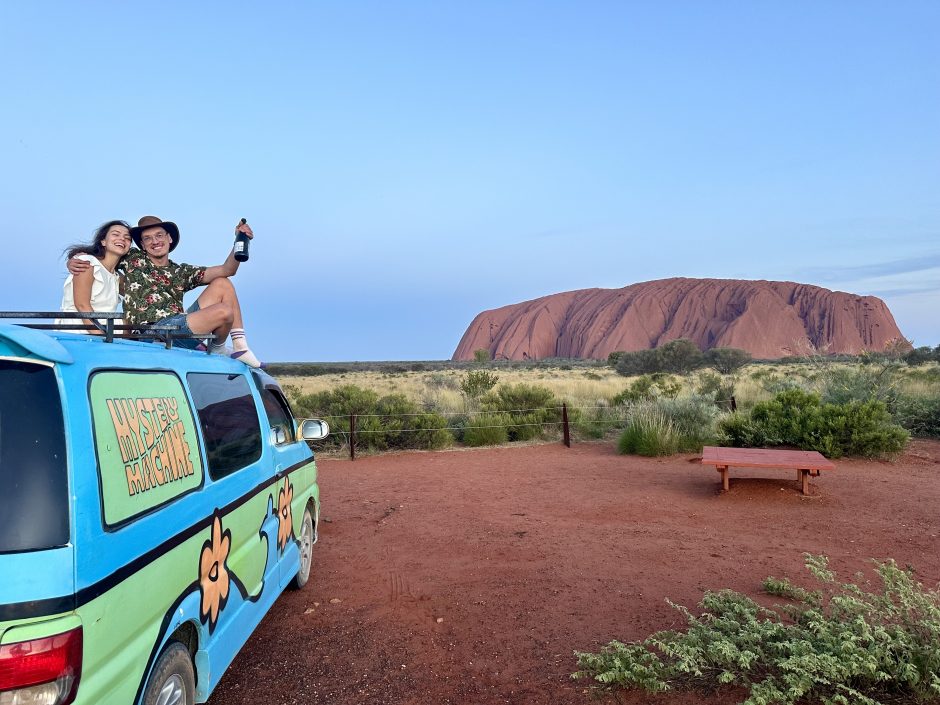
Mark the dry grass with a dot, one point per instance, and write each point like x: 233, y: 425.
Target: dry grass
x: 439, y: 390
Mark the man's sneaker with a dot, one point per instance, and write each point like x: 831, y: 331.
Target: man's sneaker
x: 247, y: 357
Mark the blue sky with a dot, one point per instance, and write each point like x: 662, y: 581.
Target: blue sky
x: 406, y: 165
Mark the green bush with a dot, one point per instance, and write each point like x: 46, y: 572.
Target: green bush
x: 715, y: 386
x: 667, y: 426
x: 740, y: 431
x: 678, y: 356
x: 486, y: 430
x: 861, y: 383
x: 839, y: 645
x: 727, y: 360
x: 530, y: 410
x: 382, y: 423
x: 649, y: 432
x: 596, y: 423
x: 919, y: 415
x: 476, y: 383
x: 648, y: 387
x: 798, y: 418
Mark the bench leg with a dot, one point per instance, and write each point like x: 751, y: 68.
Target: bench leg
x: 804, y: 481
x: 723, y: 469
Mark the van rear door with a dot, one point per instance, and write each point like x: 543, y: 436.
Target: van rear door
x: 36, y: 555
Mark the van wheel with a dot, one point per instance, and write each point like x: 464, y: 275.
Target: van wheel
x: 306, y: 551
x: 173, y: 681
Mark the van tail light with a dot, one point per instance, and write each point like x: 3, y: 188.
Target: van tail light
x: 41, y: 671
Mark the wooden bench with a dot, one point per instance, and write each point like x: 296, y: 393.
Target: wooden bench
x: 807, y: 463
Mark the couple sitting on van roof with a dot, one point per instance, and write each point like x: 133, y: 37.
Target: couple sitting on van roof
x: 153, y: 285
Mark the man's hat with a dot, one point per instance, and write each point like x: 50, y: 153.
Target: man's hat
x: 152, y: 221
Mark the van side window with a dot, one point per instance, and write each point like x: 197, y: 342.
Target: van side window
x: 229, y: 421
x: 282, y: 423
x: 145, y: 442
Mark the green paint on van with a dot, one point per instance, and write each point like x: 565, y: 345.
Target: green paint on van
x: 146, y: 442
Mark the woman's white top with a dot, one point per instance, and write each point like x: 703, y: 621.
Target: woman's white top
x: 105, y: 292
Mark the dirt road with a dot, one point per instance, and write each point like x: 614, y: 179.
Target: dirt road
x: 471, y: 576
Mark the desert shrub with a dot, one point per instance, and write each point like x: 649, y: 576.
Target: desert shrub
x: 486, y: 430
x: 637, y: 362
x: 715, y: 386
x: 841, y: 644
x: 775, y: 384
x: 646, y: 387
x: 695, y: 419
x: 648, y: 432
x: 382, y: 423
x: 726, y: 360
x: 528, y: 408
x: 430, y: 432
x: 592, y: 376
x: 922, y: 355
x: 439, y: 380
x: 798, y: 418
x: 476, y: 383
x: 860, y: 383
x: 667, y: 426
x: 740, y: 431
x: 481, y: 355
x: 598, y: 422
x: 341, y: 401
x: 678, y: 356
x: 919, y: 415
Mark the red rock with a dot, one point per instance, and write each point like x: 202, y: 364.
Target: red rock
x: 768, y: 319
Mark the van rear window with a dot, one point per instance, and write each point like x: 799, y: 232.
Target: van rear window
x: 34, y: 491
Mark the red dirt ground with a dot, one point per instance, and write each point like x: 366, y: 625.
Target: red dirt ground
x: 472, y: 576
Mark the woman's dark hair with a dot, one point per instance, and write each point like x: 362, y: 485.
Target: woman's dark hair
x: 93, y: 248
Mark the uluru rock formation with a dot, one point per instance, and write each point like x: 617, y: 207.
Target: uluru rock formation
x: 768, y: 319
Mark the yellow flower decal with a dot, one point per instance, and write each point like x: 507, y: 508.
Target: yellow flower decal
x: 213, y: 573
x: 285, y: 526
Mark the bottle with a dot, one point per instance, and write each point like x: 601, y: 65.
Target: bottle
x: 241, y: 245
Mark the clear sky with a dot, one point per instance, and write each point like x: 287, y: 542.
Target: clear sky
x: 406, y: 165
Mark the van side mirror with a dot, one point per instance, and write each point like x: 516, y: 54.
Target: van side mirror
x: 314, y: 429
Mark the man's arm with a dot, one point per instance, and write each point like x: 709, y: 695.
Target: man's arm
x: 230, y: 267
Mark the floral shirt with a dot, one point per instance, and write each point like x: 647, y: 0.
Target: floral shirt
x: 152, y: 293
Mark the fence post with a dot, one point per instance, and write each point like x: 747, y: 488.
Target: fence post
x: 564, y: 424
x: 734, y: 404
x: 352, y: 436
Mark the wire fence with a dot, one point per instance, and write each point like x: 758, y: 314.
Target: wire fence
x: 349, y: 431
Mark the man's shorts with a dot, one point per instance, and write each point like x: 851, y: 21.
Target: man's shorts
x: 179, y: 320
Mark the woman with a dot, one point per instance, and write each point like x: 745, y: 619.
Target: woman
x: 98, y: 287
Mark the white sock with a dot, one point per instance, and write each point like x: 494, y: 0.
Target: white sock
x: 247, y: 357
x: 239, y: 341
x: 217, y: 348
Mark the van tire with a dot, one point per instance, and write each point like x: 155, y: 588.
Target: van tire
x: 173, y: 679
x: 306, y: 551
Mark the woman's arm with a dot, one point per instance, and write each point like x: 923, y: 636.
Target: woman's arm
x: 81, y: 295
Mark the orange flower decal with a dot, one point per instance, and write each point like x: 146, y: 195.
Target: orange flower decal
x: 285, y: 526
x: 213, y: 573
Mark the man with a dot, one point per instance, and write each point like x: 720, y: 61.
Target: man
x: 154, y: 286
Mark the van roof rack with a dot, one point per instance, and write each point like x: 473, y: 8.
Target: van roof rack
x: 105, y: 323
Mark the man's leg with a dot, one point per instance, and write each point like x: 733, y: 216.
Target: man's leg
x: 215, y: 319
x: 220, y: 292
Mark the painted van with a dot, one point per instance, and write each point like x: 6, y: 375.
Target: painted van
x: 153, y: 505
